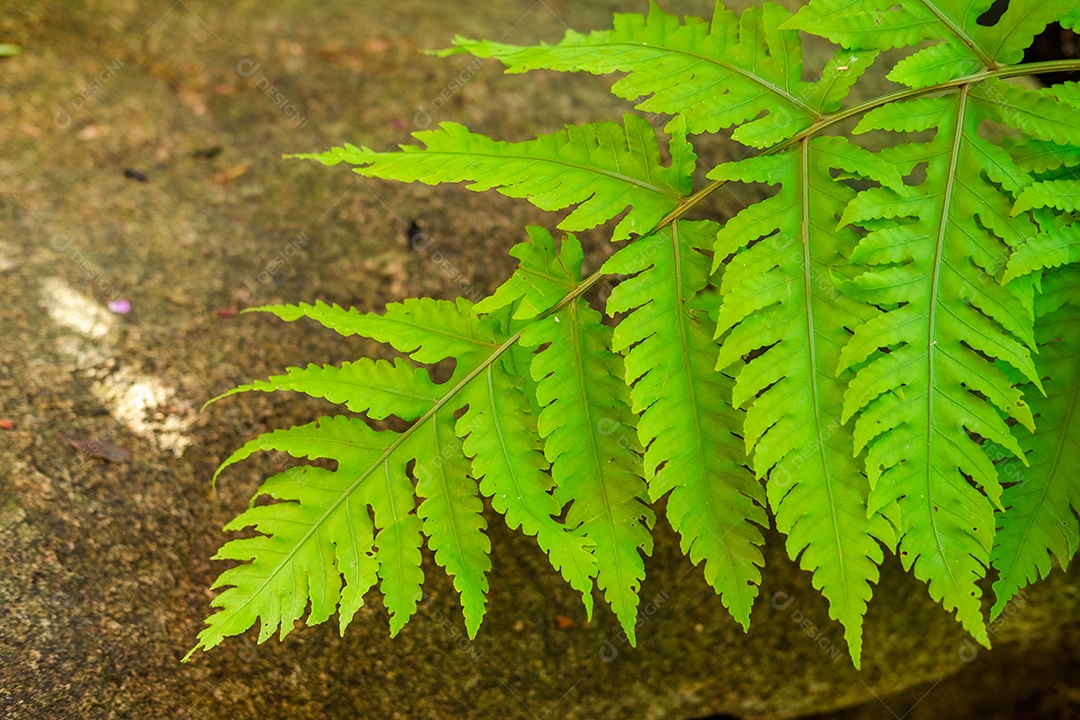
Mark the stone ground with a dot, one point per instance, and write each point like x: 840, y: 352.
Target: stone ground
x: 140, y: 161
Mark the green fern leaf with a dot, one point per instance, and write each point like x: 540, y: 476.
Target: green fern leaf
x: 1071, y: 20
x: 781, y: 307
x: 428, y: 330
x: 452, y: 513
x: 925, y: 378
x: 719, y: 74
x: 314, y: 521
x: 687, y: 426
x: 1040, y: 116
x: 1041, y: 504
x: 499, y: 433
x: 1057, y: 194
x: 862, y: 338
x: 588, y: 433
x: 1039, y: 156
x: 603, y: 169
x: 320, y: 531
x: 542, y: 278
x: 499, y: 428
x: 964, y: 46
x: 1049, y: 249
x: 376, y: 387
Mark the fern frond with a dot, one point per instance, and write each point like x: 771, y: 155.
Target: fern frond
x: 782, y: 309
x: 321, y: 514
x: 686, y: 424
x: 1041, y: 505
x: 602, y: 169
x: 319, y: 532
x: 719, y: 74
x: 963, y: 47
x: 862, y: 338
x: 926, y: 381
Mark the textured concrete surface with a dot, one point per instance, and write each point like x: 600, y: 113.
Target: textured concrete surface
x: 140, y: 161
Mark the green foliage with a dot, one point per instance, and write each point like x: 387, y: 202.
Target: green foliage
x: 882, y: 353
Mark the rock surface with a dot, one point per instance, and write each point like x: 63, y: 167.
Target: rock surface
x: 140, y: 163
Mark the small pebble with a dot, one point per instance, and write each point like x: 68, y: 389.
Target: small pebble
x: 134, y: 174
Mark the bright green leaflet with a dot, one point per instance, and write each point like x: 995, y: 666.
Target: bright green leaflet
x: 687, y: 424
x: 1041, y: 506
x: 780, y: 299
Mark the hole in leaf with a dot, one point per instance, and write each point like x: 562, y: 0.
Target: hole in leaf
x: 993, y: 14
x: 917, y: 176
x: 1054, y: 43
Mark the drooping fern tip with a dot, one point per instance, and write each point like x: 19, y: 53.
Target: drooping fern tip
x: 882, y: 355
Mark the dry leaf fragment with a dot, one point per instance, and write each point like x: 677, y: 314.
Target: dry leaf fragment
x: 101, y: 449
x: 564, y: 623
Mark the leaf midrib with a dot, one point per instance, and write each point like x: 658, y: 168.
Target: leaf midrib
x: 811, y: 349
x: 935, y: 281
x: 960, y: 35
x: 627, y: 179
x: 579, y: 357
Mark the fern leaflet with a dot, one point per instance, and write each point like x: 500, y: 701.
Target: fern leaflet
x: 1041, y: 504
x: 687, y: 425
x: 781, y: 307
x: 588, y: 438
x: 925, y: 373
x: 730, y: 71
x: 603, y: 169
x: 964, y: 45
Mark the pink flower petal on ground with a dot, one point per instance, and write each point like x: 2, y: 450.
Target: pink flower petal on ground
x: 120, y: 307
